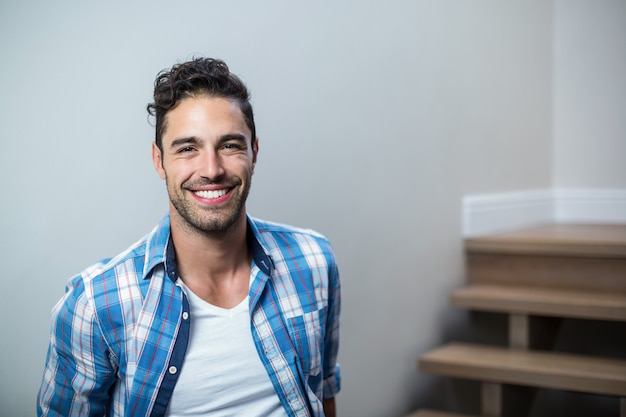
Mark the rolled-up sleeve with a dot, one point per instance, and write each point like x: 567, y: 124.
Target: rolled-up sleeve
x: 332, y: 370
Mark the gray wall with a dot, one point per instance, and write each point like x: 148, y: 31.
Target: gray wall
x: 590, y: 94
x: 375, y: 118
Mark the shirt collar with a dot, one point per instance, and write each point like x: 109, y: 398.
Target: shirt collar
x: 156, y: 246
x: 260, y: 254
x: 160, y: 250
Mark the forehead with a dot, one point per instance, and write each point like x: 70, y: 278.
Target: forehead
x: 205, y: 117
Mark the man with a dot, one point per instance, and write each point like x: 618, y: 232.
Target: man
x: 214, y: 313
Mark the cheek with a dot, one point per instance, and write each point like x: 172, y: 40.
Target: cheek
x: 161, y: 172
x: 179, y: 172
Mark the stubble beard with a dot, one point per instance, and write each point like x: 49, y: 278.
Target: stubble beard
x: 214, y: 221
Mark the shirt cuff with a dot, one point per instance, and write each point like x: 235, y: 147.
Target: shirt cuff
x: 332, y: 384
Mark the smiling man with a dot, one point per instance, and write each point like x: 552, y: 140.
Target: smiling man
x: 213, y: 313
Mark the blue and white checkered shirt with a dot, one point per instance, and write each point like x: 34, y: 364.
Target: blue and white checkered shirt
x: 120, y: 333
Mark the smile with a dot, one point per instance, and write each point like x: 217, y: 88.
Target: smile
x: 211, y: 194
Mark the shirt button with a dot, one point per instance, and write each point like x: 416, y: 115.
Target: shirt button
x: 173, y: 370
x: 185, y: 315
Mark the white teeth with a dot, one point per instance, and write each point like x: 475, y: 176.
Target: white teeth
x: 211, y: 194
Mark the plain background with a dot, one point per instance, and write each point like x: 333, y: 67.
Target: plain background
x: 375, y: 118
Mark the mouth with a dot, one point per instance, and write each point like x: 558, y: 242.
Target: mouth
x: 211, y: 194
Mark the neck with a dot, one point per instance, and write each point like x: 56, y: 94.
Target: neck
x: 207, y: 255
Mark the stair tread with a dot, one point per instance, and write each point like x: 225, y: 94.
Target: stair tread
x: 601, y: 240
x: 527, y: 367
x: 435, y: 413
x: 542, y: 301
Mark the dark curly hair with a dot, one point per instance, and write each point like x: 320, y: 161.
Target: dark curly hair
x: 198, y: 77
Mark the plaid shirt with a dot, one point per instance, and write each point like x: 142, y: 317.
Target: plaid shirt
x: 120, y: 333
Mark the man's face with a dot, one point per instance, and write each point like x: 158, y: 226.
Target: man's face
x: 207, y: 162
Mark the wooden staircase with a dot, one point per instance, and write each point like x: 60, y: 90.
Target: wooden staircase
x: 537, y: 275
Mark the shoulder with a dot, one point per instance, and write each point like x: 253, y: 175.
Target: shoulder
x: 279, y: 235
x: 111, y: 282
x: 102, y: 294
x: 305, y: 275
x: 133, y: 263
x: 294, y: 248
x: 130, y: 260
x: 97, y: 285
x: 274, y: 227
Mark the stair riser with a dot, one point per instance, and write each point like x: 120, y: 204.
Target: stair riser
x: 593, y: 274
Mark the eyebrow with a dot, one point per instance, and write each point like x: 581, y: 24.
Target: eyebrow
x: 233, y: 136
x: 184, y: 141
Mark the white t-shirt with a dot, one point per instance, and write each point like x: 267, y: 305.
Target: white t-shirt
x: 222, y: 374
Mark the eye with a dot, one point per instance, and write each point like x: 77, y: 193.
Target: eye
x: 233, y: 146
x: 186, y: 149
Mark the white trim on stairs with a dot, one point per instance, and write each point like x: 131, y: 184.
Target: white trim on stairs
x: 492, y: 213
x: 590, y: 206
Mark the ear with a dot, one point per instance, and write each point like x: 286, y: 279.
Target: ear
x: 157, y: 160
x: 255, y: 152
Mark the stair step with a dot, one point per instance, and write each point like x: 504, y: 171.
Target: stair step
x: 589, y: 240
x: 542, y: 301
x: 435, y: 413
x: 527, y: 367
x: 579, y: 273
x: 580, y: 257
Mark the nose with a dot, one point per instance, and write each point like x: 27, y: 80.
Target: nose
x: 212, y: 166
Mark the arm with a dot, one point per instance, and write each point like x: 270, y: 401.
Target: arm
x: 332, y: 374
x: 329, y: 407
x: 78, y: 373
